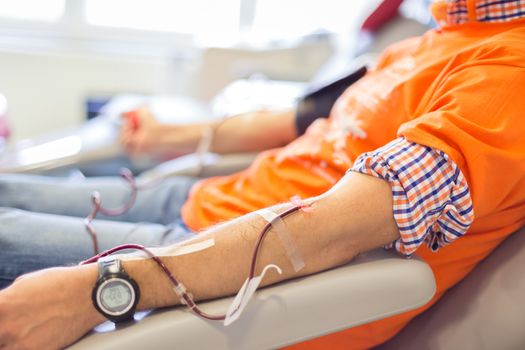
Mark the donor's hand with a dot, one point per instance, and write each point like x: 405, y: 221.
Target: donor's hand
x: 48, y: 309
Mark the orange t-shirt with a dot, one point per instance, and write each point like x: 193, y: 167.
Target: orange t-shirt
x: 458, y: 89
x: 455, y: 89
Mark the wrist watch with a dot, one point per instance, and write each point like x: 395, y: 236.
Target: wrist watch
x: 115, y: 294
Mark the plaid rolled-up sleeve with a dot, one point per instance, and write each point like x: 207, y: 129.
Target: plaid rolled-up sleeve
x: 431, y: 198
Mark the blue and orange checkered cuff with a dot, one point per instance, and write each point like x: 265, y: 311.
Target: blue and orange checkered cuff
x: 485, y: 11
x: 432, y: 202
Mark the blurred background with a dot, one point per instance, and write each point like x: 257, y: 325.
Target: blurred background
x: 60, y: 60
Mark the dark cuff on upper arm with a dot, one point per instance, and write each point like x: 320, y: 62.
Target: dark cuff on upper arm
x: 319, y: 99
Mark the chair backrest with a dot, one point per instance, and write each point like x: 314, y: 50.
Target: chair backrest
x: 484, y: 311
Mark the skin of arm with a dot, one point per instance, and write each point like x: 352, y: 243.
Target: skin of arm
x: 52, y: 308
x: 247, y: 132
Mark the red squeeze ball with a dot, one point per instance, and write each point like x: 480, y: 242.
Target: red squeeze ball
x: 133, y: 119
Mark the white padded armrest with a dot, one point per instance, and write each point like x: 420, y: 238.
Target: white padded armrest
x: 375, y: 285
x: 94, y: 141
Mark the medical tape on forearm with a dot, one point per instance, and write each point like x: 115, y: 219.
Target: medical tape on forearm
x: 286, y: 239
x: 205, y: 144
x: 174, y: 250
x: 245, y: 294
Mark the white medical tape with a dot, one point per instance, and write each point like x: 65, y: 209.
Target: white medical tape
x: 286, y: 239
x: 245, y: 294
x: 187, y: 249
x: 174, y: 250
x: 204, y: 144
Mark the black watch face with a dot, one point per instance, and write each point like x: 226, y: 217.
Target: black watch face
x: 115, y: 296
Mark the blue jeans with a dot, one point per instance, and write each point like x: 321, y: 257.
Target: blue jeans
x: 42, y: 219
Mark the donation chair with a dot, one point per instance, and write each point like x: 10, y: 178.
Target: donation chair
x: 484, y: 311
x: 373, y: 286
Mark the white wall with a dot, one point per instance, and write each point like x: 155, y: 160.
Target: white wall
x: 220, y: 66
x: 47, y: 91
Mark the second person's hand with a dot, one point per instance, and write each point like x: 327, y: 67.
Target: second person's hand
x: 141, y: 134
